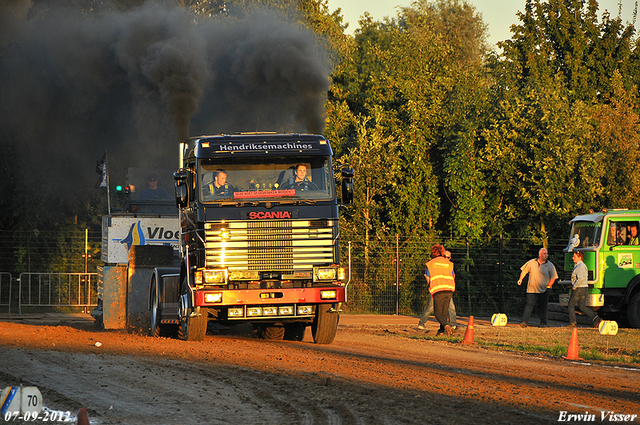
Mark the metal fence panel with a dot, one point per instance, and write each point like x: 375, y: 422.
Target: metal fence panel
x: 57, y: 290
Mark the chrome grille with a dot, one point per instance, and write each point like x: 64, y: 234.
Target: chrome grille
x: 276, y: 246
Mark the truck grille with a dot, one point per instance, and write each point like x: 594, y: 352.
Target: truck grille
x: 275, y: 246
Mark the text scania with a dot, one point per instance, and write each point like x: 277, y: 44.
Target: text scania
x: 265, y: 147
x: 269, y: 214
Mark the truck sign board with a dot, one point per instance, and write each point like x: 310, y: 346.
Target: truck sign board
x: 120, y: 233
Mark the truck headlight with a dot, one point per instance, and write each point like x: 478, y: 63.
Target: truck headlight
x: 304, y: 310
x: 325, y: 274
x: 213, y: 297
x: 254, y: 311
x: 270, y: 311
x: 285, y: 310
x: 329, y: 294
x: 214, y: 277
x: 235, y: 312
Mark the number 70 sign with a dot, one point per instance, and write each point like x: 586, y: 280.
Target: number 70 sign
x: 22, y: 399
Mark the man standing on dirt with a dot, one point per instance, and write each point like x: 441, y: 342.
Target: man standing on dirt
x: 579, y: 291
x: 428, y: 311
x: 542, y: 275
x: 441, y: 282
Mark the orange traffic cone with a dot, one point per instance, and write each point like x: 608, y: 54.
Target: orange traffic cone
x: 83, y: 418
x: 572, y: 352
x: 468, y: 334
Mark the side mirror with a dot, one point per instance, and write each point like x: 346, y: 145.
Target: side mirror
x: 182, y: 189
x: 347, y: 185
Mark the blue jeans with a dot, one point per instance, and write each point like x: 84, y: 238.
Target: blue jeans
x: 542, y: 299
x: 579, y: 299
x: 428, y: 311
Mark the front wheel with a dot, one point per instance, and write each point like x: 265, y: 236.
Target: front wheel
x: 193, y: 322
x: 633, y: 311
x: 325, y: 324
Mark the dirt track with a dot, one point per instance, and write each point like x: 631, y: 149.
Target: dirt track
x: 369, y: 375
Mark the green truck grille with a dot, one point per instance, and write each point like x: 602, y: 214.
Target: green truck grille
x: 276, y: 246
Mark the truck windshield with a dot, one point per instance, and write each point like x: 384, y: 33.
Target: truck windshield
x: 588, y: 233
x: 272, y: 178
x: 151, y: 191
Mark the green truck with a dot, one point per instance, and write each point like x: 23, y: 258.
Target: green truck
x: 610, y: 243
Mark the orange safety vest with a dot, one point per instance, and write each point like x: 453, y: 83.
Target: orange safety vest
x: 441, y: 274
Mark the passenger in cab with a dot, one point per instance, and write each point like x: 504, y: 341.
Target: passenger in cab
x: 633, y: 235
x: 614, y: 237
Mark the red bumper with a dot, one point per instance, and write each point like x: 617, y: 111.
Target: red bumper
x: 231, y: 297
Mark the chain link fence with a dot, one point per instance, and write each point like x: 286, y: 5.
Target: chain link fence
x: 388, y: 277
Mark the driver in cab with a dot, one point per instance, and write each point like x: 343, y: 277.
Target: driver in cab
x: 219, y: 185
x: 301, y: 181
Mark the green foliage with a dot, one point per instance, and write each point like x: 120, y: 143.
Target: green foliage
x: 538, y: 150
x: 615, y: 133
x: 417, y: 79
x: 555, y: 108
x: 563, y: 39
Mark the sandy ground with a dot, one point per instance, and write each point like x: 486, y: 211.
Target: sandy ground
x: 371, y: 374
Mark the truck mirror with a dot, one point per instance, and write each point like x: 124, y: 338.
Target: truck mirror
x: 347, y: 185
x: 182, y: 191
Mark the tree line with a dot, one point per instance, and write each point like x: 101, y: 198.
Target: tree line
x: 450, y: 136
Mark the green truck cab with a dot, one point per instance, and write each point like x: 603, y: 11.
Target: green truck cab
x: 610, y: 243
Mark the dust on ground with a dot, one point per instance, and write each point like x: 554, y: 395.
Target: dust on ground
x: 371, y: 374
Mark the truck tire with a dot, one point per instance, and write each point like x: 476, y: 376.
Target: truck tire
x: 157, y: 329
x: 294, y: 331
x: 271, y: 332
x: 154, y: 330
x: 192, y: 328
x: 325, y: 324
x: 633, y: 311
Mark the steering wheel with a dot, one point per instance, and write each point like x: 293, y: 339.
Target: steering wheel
x: 306, y: 185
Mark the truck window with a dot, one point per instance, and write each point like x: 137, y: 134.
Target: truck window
x: 273, y: 178
x: 588, y: 233
x: 151, y: 191
x: 623, y: 233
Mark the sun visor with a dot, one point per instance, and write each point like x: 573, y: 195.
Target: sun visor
x: 595, y: 218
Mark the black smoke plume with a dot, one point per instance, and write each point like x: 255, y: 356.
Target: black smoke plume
x: 73, y: 85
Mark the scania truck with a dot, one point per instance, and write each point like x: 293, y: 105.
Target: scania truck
x: 610, y: 243
x: 258, y: 239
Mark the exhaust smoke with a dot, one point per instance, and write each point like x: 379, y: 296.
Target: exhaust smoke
x: 133, y: 83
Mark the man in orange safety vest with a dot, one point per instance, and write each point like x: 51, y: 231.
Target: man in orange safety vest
x: 440, y: 278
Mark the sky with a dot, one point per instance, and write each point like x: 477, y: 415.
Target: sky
x: 499, y: 15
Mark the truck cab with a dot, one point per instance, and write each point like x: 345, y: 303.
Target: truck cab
x: 610, y: 243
